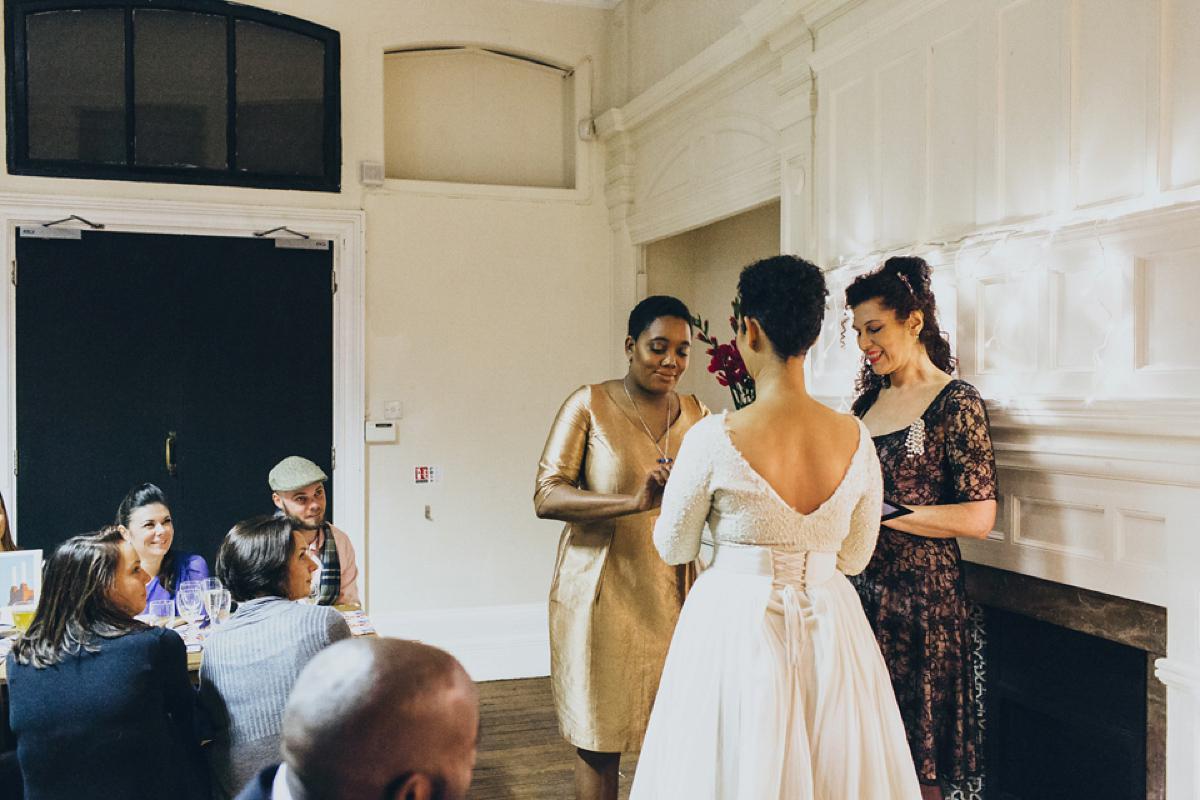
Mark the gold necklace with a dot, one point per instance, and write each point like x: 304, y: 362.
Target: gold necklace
x: 666, y: 459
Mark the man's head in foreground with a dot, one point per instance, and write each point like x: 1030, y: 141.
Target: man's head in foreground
x: 378, y: 718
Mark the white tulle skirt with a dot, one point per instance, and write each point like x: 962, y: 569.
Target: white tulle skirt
x: 774, y: 688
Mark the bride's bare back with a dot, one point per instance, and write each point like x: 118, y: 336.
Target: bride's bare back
x: 802, y: 449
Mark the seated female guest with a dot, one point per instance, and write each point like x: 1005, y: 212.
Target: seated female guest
x: 251, y: 661
x: 7, y: 543
x: 100, y: 703
x: 146, y: 523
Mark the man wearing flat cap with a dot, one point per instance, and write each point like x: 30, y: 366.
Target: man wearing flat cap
x: 298, y: 489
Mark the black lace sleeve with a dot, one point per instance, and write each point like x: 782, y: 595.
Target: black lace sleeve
x: 969, y: 456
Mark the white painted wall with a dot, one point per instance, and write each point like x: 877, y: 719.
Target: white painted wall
x: 483, y: 311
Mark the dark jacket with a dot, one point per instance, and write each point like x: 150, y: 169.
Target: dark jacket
x: 117, y: 723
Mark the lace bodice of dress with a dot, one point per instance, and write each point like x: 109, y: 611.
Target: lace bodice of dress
x: 945, y: 456
x: 711, y: 483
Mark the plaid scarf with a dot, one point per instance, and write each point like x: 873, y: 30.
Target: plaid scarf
x: 329, y: 586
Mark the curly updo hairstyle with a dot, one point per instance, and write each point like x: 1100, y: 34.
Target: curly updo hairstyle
x: 786, y: 294
x: 901, y: 285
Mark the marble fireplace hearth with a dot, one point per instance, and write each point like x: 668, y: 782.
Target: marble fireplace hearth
x: 1126, y: 622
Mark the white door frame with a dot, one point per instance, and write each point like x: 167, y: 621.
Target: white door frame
x: 345, y: 228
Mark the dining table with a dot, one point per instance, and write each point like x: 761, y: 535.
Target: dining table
x: 360, y: 625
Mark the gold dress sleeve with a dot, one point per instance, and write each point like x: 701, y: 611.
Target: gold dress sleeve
x: 562, y: 457
x: 613, y: 600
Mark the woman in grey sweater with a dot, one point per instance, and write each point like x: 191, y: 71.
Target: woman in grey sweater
x: 252, y: 660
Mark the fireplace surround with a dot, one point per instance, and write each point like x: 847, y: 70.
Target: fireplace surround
x: 1070, y: 662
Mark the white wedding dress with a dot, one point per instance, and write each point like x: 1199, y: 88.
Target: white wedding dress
x: 774, y: 688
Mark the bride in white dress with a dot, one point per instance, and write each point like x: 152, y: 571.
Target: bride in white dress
x: 774, y: 687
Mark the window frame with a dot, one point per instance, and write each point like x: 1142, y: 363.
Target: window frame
x: 17, y: 118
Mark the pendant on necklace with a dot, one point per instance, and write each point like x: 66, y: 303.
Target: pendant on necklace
x: 665, y: 459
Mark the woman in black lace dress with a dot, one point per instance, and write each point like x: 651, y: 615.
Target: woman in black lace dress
x: 935, y: 448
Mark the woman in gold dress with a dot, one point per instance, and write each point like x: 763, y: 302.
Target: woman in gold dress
x: 614, y: 602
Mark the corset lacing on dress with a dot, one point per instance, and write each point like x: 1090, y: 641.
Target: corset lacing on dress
x: 792, y: 574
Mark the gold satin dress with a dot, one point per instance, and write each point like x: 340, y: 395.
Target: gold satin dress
x: 614, y: 601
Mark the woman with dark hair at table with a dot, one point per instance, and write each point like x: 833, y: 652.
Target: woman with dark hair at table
x: 7, y: 544
x: 935, y: 449
x: 101, y: 703
x: 252, y: 660
x: 145, y: 520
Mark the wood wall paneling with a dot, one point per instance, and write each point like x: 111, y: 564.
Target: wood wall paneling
x: 1181, y: 73
x: 1034, y: 76
x: 1167, y: 324
x: 1115, y: 45
x: 952, y: 114
x: 901, y: 115
x: 852, y: 159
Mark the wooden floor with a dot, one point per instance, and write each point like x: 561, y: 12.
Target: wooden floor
x: 521, y: 754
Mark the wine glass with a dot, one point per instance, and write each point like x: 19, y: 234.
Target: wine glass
x: 189, y: 599
x: 212, y: 599
x: 221, y: 606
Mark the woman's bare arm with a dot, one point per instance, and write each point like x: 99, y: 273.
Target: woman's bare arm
x: 973, y: 519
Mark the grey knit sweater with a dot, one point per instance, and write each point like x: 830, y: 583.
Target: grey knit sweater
x: 250, y: 663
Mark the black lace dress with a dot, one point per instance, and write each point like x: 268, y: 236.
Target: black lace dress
x: 913, y: 591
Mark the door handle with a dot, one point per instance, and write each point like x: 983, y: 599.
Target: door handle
x: 172, y: 467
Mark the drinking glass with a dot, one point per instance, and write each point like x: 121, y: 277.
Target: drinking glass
x: 162, y: 612
x: 222, y: 606
x: 212, y: 598
x: 189, y: 599
x: 22, y: 614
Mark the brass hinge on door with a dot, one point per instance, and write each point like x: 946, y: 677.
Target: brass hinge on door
x: 14, y: 272
x: 332, y: 279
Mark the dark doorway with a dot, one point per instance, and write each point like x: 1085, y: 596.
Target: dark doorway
x: 133, y: 350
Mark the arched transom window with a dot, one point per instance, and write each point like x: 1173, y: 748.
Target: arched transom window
x: 185, y: 91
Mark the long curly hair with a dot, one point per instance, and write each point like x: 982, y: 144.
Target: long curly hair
x: 901, y: 285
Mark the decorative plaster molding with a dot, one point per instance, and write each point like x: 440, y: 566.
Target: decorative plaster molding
x: 1173, y: 213
x: 864, y: 35
x: 1178, y: 674
x: 688, y: 79
x: 1107, y: 464
x: 1167, y: 418
x: 781, y: 23
x: 714, y: 201
x: 822, y: 12
x: 691, y: 157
